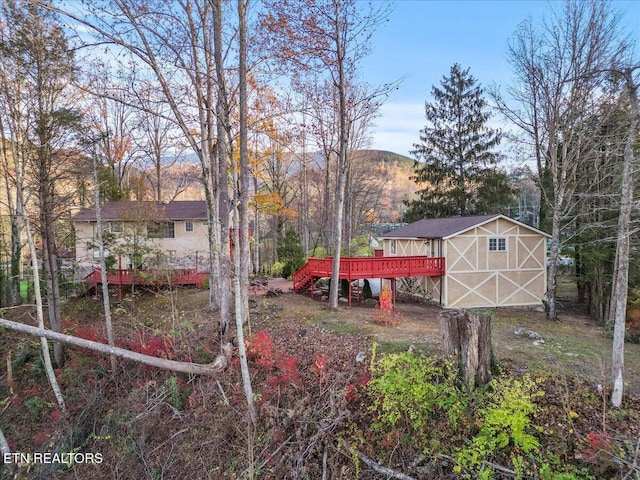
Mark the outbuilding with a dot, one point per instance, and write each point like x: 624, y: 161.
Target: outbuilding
x: 490, y: 260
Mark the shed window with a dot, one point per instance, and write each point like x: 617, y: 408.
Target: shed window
x: 394, y: 247
x: 161, y: 230
x: 188, y: 226
x: 498, y: 244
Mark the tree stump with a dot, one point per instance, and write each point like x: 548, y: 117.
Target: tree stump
x: 467, y: 336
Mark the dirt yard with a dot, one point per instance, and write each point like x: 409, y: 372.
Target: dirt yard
x: 574, y: 345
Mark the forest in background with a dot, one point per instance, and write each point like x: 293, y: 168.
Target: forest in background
x: 107, y: 101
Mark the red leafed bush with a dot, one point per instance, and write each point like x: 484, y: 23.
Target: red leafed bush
x: 89, y: 333
x: 385, y: 314
x: 157, y: 346
x: 260, y: 350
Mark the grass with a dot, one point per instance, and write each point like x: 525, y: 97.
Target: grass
x: 24, y: 289
x: 574, y: 346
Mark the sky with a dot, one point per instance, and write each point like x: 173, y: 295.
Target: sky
x: 424, y: 38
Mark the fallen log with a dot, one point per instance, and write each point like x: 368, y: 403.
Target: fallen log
x: 212, y: 369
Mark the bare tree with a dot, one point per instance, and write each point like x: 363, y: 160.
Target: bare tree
x: 620, y: 286
x: 560, y: 73
x: 158, y: 142
x: 241, y: 216
x: 328, y: 38
x: 44, y: 121
x: 102, y: 254
x: 187, y: 79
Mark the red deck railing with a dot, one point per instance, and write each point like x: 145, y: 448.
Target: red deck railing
x: 150, y: 277
x: 355, y: 268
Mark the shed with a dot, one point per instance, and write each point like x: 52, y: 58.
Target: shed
x: 491, y: 260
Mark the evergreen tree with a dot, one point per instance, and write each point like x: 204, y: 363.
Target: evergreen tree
x: 456, y: 161
x: 290, y: 252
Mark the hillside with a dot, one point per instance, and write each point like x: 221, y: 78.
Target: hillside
x: 383, y: 179
x: 317, y: 377
x: 387, y: 157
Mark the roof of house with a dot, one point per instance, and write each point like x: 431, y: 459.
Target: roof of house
x: 446, y: 227
x: 146, y: 211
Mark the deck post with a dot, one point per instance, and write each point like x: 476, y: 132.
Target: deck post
x: 393, y: 290
x: 119, y: 278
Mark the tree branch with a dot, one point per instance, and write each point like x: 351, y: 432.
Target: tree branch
x: 212, y: 369
x: 375, y: 466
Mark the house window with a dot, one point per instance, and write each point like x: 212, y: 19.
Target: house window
x: 498, y: 244
x: 188, y: 226
x: 115, y: 227
x: 161, y: 230
x: 394, y: 247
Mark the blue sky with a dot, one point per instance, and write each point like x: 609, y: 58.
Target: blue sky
x: 423, y: 38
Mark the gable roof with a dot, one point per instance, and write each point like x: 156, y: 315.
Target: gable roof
x: 145, y: 210
x: 447, y: 227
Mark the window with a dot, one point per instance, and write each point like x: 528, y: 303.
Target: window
x: 394, y: 247
x: 497, y: 244
x: 188, y: 226
x: 115, y: 227
x: 161, y: 230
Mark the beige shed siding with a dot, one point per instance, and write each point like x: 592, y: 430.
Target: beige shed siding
x: 478, y: 277
x: 411, y: 247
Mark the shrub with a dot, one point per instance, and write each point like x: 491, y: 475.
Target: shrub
x: 277, y: 269
x: 417, y: 391
x: 385, y: 315
x: 505, y: 423
x: 366, y: 290
x: 290, y: 252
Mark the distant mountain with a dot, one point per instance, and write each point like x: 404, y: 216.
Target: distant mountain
x: 387, y: 157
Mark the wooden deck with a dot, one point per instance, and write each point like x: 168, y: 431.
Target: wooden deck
x: 156, y: 278
x: 356, y: 268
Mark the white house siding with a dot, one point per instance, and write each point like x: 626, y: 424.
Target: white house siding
x: 182, y: 250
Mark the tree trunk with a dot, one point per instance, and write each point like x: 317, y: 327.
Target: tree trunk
x: 50, y: 258
x: 220, y: 363
x: 103, y: 266
x: 241, y: 214
x: 341, y: 179
x: 46, y: 358
x: 619, y: 292
x: 467, y: 336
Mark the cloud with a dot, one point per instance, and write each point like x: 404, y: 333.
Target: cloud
x: 398, y: 127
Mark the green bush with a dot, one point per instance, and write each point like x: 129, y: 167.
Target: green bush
x: 506, y: 424
x: 366, y: 290
x: 276, y: 269
x: 290, y: 252
x: 417, y: 391
x: 35, y: 405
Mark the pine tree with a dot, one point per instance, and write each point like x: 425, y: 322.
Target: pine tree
x: 290, y: 252
x: 456, y: 159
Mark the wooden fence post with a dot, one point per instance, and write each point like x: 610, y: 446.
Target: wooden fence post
x: 467, y: 336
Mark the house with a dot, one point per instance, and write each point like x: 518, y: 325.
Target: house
x: 490, y: 260
x: 174, y: 233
